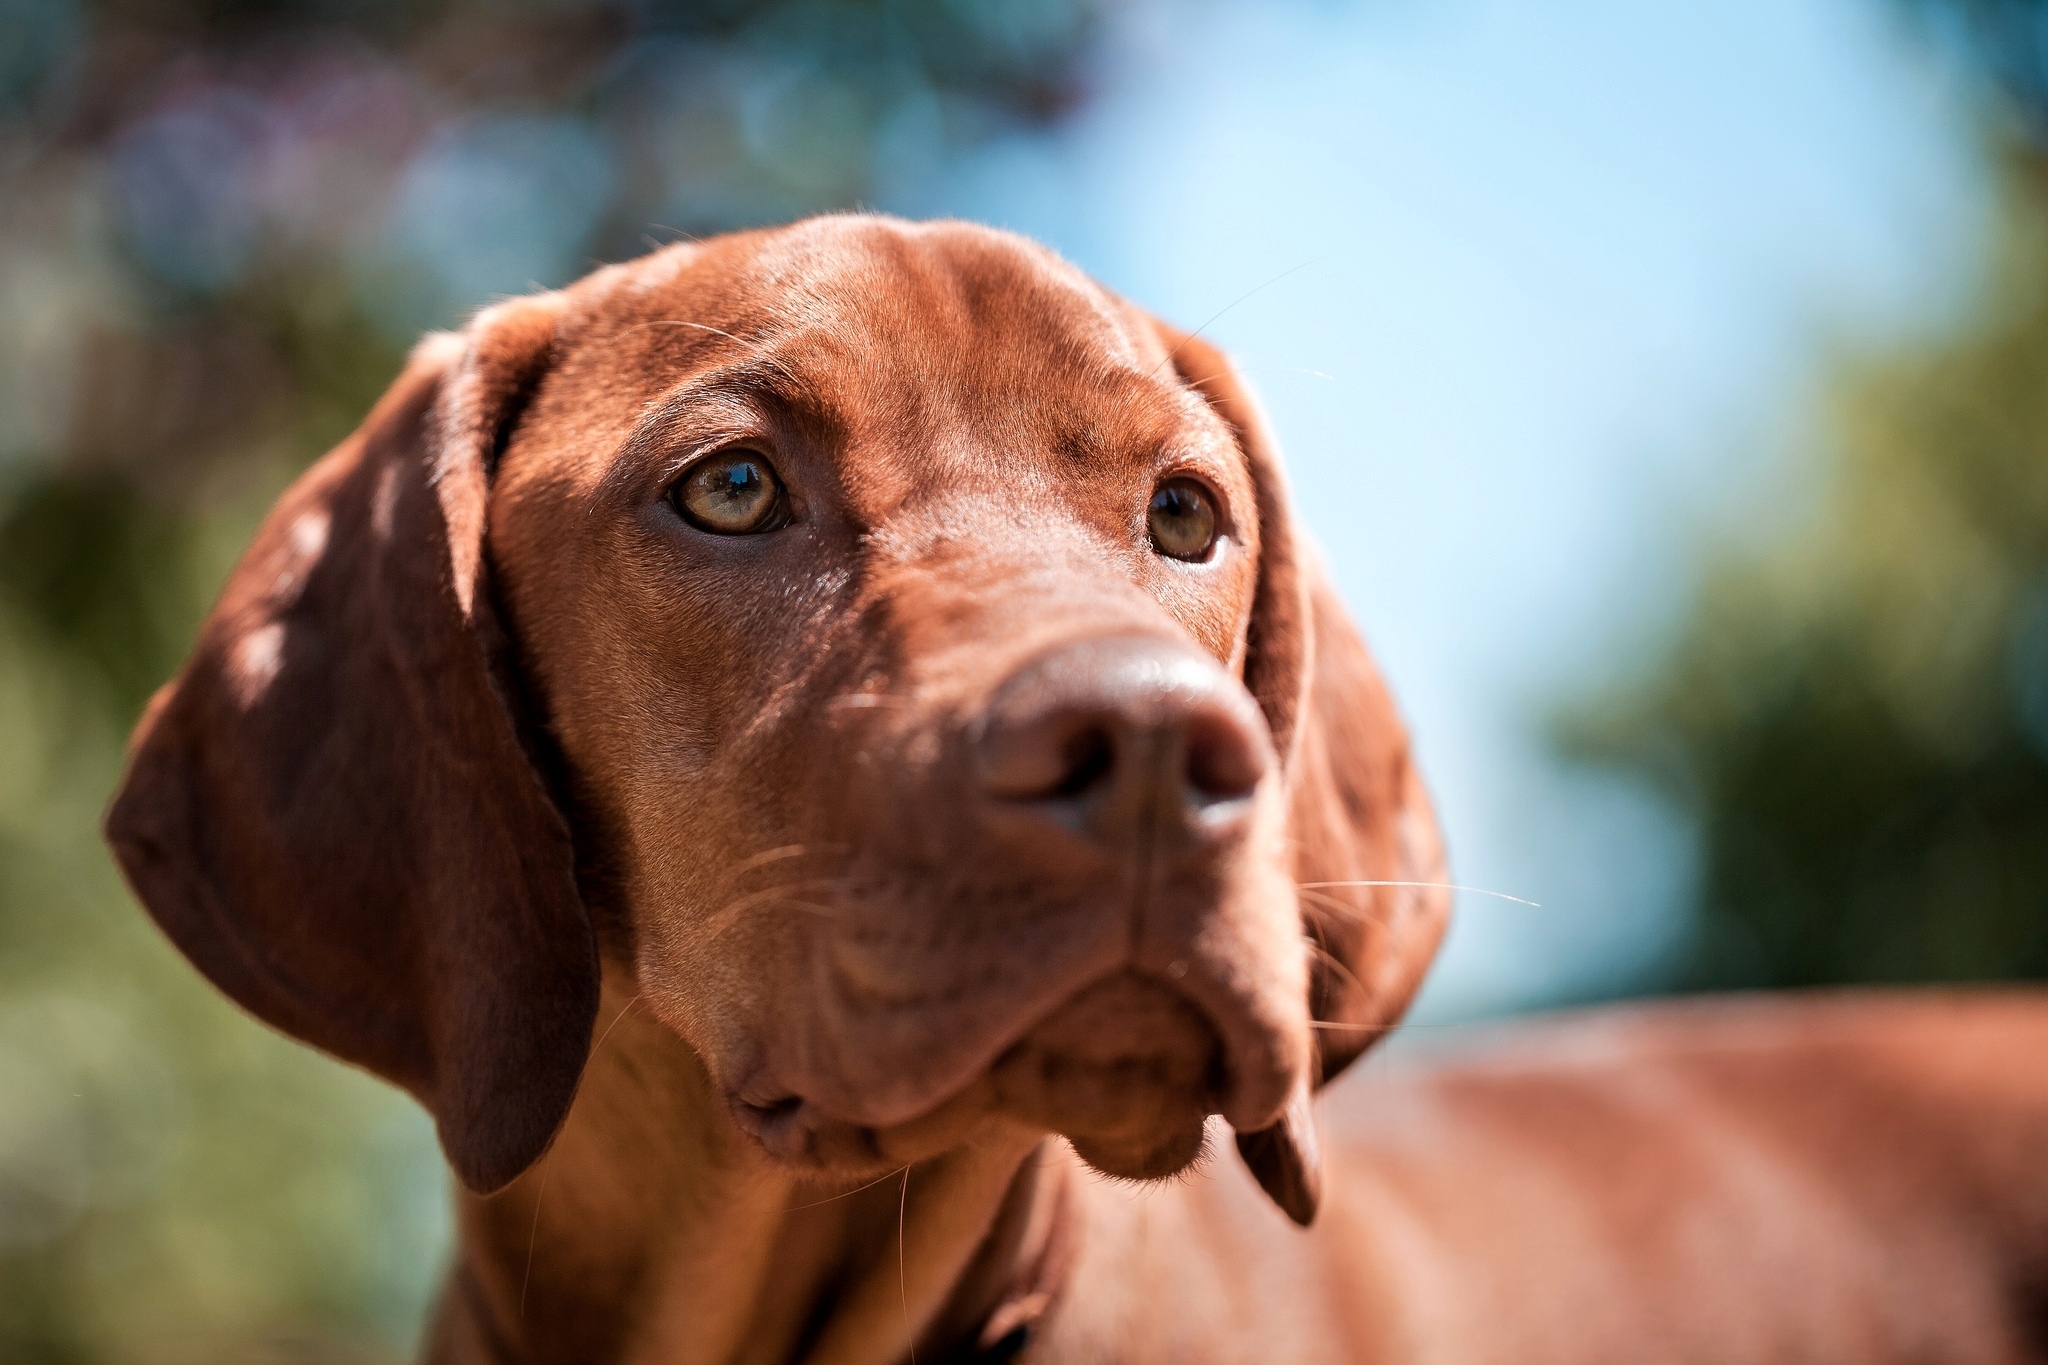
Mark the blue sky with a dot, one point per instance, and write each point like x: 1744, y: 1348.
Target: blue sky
x: 1541, y: 296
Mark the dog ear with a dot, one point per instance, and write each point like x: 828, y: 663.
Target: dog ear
x: 1367, y: 856
x: 330, y: 810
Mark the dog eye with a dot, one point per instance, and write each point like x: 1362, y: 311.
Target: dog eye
x: 733, y: 493
x: 1182, y: 519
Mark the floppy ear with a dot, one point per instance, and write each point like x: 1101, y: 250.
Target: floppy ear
x: 330, y: 811
x: 1367, y: 855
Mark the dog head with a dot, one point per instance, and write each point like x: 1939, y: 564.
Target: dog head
x: 891, y: 646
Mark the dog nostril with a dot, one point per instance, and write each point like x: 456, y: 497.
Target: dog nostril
x: 1223, y: 762
x: 1088, y: 754
x: 1059, y: 757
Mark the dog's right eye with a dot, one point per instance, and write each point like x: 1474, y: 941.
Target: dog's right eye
x: 1182, y: 520
x: 732, y: 493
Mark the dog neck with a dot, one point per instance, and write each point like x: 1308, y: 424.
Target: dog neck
x: 653, y: 1230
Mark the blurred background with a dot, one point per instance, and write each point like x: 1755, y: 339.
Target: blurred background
x: 1667, y: 384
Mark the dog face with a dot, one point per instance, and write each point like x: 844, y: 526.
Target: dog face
x: 891, y: 631
x: 889, y: 643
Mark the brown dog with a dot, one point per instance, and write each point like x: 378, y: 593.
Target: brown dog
x: 759, y: 740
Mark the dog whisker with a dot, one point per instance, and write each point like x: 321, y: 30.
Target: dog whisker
x: 771, y: 856
x: 823, y: 911
x: 868, y: 700
x: 1441, y: 886
x: 533, y: 1231
x: 902, y: 1279
x: 617, y: 1019
x: 1337, y: 905
x: 1315, y: 928
x: 705, y: 327
x: 1332, y: 961
x: 846, y: 1194
x: 1398, y: 1025
x: 1218, y: 314
x: 730, y: 912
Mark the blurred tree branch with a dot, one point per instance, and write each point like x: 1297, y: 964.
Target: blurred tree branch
x: 2006, y: 41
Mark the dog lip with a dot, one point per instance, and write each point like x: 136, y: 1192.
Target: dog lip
x: 772, y: 1111
x: 805, y: 1133
x: 1127, y: 1040
x: 762, y: 1117
x: 789, y: 1129
x: 793, y: 1112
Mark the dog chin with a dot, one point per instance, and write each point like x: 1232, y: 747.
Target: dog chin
x: 1129, y: 1071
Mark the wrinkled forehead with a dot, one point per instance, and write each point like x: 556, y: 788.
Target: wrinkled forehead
x: 944, y: 300
x: 946, y: 339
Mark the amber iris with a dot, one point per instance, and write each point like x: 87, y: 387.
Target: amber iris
x: 735, y: 493
x: 1182, y: 520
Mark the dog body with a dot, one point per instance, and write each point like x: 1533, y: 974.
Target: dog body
x: 808, y: 751
x: 1850, y: 1179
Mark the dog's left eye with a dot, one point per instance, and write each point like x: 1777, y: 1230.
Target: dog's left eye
x: 733, y: 493
x: 1182, y: 519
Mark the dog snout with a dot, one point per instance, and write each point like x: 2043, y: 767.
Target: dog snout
x: 1109, y: 737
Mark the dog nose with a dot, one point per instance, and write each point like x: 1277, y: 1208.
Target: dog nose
x: 1106, y: 737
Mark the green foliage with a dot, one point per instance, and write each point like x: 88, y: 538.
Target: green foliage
x: 2006, y: 41
x: 176, y: 1183
x: 1858, y: 715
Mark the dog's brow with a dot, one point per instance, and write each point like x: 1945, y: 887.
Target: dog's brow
x: 750, y: 381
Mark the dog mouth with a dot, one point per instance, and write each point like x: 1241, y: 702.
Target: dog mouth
x: 1128, y: 1070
